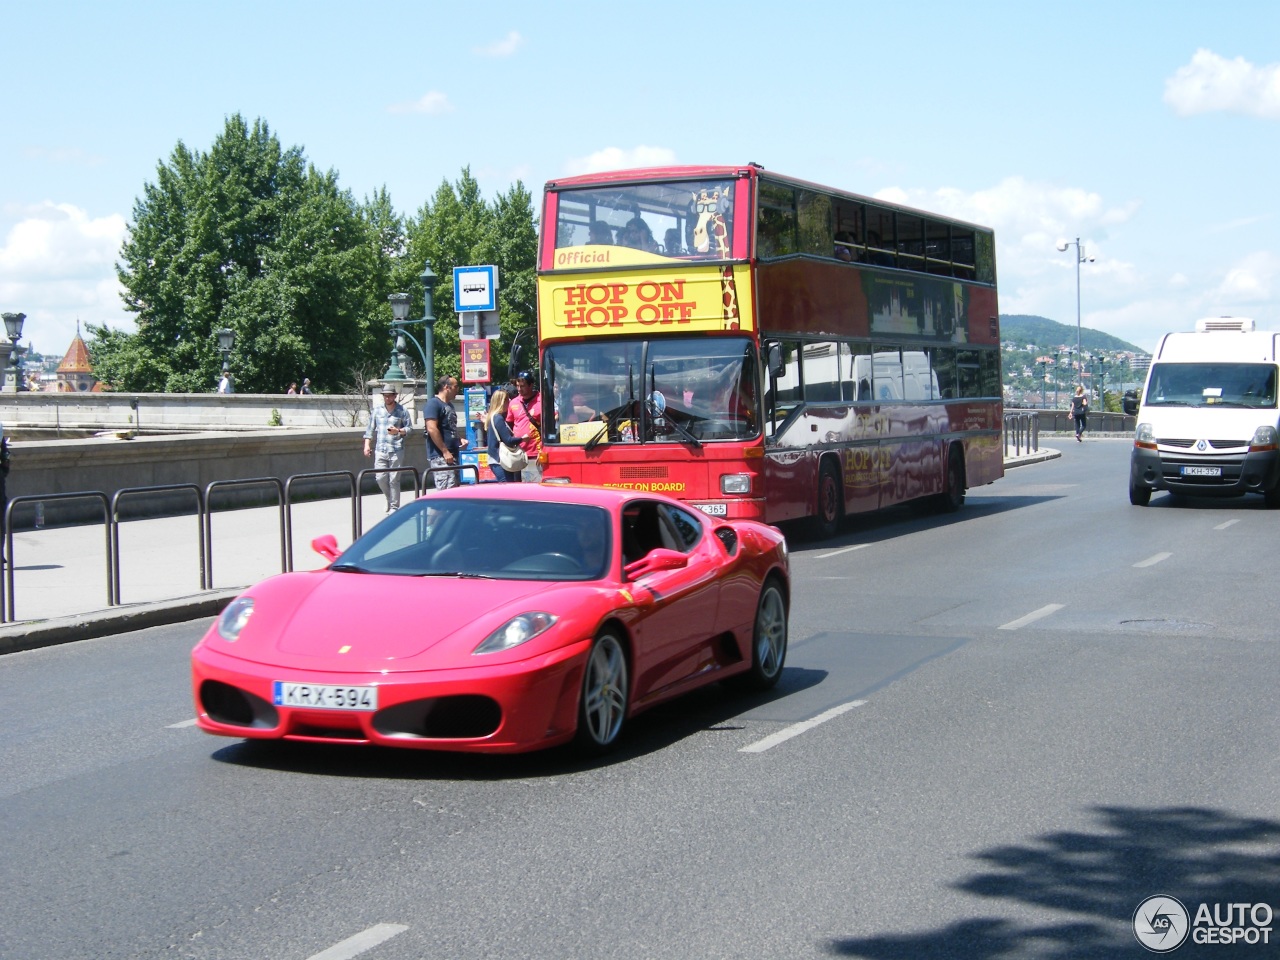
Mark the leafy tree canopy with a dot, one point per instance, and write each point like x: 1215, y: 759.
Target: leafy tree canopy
x: 252, y: 237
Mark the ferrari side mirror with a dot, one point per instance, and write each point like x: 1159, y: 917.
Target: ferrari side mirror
x: 654, y: 561
x: 326, y: 546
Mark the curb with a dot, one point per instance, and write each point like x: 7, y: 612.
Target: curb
x: 1040, y: 456
x: 103, y: 623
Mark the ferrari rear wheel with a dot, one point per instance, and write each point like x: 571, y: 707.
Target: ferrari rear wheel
x: 768, y: 640
x: 605, y: 689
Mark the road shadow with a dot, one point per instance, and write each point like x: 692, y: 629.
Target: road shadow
x: 893, y: 522
x: 1194, y: 854
x: 713, y: 708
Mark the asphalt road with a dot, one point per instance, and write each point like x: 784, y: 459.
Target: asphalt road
x: 1033, y: 715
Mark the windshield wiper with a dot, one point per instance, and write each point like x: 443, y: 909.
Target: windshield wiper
x: 675, y: 425
x: 349, y: 568
x: 611, y: 419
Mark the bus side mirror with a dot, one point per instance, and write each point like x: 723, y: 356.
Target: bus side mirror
x: 776, y: 365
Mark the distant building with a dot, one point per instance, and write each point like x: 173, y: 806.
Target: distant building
x: 75, y: 372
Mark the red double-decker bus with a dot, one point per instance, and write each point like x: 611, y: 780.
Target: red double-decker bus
x: 763, y: 347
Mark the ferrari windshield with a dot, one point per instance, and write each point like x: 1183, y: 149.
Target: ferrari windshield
x: 685, y: 218
x: 1212, y: 384
x: 685, y: 390
x: 497, y: 539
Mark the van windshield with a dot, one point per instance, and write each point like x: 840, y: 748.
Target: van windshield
x: 1212, y: 385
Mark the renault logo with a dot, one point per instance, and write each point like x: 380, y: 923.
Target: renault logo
x: 1200, y: 445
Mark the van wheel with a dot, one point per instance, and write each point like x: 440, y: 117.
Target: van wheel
x: 1272, y: 498
x: 830, y: 503
x: 1140, y: 496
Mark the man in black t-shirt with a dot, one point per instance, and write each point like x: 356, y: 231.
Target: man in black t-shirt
x: 443, y: 443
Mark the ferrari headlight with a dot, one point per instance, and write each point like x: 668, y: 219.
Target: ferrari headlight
x: 233, y: 618
x: 515, y: 632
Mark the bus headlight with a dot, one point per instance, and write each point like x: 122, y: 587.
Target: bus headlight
x: 1144, y: 436
x: 1264, y: 438
x: 735, y: 483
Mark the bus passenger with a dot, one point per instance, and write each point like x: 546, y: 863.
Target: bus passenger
x: 672, y: 246
x: 599, y: 232
x: 844, y: 247
x: 638, y: 235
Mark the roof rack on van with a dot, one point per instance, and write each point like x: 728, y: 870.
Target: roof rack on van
x: 1225, y: 324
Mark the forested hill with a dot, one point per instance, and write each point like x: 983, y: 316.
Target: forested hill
x: 1047, y: 334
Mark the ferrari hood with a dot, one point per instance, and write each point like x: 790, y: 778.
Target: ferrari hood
x: 350, y: 621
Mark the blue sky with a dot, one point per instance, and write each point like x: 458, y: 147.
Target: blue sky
x: 1149, y: 130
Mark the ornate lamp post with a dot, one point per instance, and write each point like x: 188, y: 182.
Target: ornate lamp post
x: 400, y: 313
x: 13, y: 327
x: 400, y: 310
x: 226, y: 343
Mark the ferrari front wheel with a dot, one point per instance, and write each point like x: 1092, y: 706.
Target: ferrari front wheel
x: 768, y: 640
x: 605, y: 688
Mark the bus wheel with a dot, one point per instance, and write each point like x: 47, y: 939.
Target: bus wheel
x: 830, y: 503
x: 952, y: 497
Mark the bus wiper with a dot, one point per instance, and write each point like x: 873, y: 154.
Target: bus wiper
x: 675, y: 425
x: 611, y: 419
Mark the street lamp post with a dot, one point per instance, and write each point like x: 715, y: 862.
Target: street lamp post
x: 13, y: 327
x: 1056, y: 378
x: 1080, y: 258
x: 400, y: 310
x: 226, y: 342
x: 1044, y: 377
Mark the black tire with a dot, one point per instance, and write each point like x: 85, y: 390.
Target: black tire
x: 826, y: 524
x: 606, y: 688
x: 1139, y: 495
x: 768, y: 640
x: 951, y: 498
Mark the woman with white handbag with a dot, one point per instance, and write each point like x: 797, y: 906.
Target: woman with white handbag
x: 506, y: 459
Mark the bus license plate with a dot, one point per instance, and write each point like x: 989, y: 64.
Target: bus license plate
x: 1202, y: 471
x: 714, y: 509
x: 325, y: 697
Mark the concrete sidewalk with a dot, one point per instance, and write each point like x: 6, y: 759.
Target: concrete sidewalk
x: 61, y: 591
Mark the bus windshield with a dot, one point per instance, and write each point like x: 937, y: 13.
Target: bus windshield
x: 684, y: 390
x: 684, y: 219
x: 1212, y: 384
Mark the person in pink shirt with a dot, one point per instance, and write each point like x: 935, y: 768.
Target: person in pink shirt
x: 524, y: 413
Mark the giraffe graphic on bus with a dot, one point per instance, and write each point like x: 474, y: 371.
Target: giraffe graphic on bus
x: 711, y: 228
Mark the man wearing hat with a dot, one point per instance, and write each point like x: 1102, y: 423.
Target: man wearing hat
x: 390, y: 423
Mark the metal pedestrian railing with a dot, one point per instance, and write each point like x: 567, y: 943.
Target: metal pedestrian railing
x: 1022, y: 432
x: 284, y: 498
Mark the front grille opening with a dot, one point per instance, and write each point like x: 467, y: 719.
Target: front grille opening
x: 231, y: 705
x: 461, y: 717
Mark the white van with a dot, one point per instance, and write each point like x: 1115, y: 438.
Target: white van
x: 1208, y: 420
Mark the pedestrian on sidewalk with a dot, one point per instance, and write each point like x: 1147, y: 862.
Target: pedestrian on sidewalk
x: 443, y: 445
x: 524, y: 416
x: 500, y: 435
x: 389, y: 425
x: 1079, y: 411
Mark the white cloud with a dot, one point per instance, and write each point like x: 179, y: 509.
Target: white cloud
x: 1250, y: 281
x: 501, y: 48
x: 615, y: 158
x: 1212, y: 84
x: 57, y: 265
x: 72, y: 156
x: 433, y: 103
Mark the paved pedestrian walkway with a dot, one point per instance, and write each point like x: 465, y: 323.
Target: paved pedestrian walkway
x: 60, y: 575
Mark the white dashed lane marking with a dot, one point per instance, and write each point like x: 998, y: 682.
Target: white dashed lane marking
x: 786, y: 733
x: 1032, y: 617
x: 365, y: 940
x: 1153, y: 560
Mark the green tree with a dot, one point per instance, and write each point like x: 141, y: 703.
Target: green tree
x: 247, y: 236
x: 457, y: 228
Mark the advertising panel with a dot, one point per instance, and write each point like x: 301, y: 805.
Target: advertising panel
x: 693, y: 299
